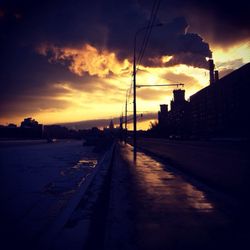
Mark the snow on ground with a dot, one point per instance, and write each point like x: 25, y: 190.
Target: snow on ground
x: 86, y: 225
x: 36, y: 182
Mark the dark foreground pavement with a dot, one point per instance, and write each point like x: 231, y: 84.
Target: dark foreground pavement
x: 153, y: 206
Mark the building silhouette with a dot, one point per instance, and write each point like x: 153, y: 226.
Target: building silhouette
x: 218, y: 110
x: 29, y: 129
x: 175, y: 121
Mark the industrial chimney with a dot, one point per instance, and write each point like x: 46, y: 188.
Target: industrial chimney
x: 216, y: 75
x: 211, y: 70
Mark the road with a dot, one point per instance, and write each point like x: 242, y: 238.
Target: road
x: 148, y: 204
x: 154, y: 206
x: 37, y: 181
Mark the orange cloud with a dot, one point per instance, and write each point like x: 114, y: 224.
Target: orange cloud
x: 87, y: 59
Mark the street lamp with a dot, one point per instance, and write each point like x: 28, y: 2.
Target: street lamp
x: 134, y: 84
x: 126, y: 116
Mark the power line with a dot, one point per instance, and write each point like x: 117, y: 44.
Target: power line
x: 154, y: 12
x: 147, y: 34
x: 147, y: 29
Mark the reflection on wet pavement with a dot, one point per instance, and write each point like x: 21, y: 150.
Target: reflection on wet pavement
x: 166, y: 187
x: 170, y: 211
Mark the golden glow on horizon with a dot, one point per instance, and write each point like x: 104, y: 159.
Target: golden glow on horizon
x: 88, y: 102
x: 142, y: 125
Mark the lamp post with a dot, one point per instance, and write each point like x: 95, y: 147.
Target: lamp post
x: 134, y: 92
x: 126, y: 117
x: 134, y: 86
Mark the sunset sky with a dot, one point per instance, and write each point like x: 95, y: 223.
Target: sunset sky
x: 65, y: 61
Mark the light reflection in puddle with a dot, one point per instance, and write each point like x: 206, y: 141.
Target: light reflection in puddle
x: 71, y: 178
x: 166, y: 188
x: 85, y: 163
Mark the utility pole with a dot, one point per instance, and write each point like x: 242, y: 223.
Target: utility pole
x: 126, y: 117
x: 134, y: 92
x: 134, y: 86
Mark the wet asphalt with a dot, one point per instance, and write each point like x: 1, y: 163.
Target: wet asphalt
x: 170, y: 210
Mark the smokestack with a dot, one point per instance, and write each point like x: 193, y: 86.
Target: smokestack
x: 211, y: 70
x: 164, y: 108
x: 216, y: 75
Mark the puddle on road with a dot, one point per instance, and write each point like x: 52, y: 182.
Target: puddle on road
x: 86, y: 163
x: 165, y: 188
x: 71, y: 178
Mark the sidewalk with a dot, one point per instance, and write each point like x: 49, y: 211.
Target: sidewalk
x: 223, y: 165
x: 154, y: 207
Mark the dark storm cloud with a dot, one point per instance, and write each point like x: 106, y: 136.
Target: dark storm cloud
x: 174, y: 40
x: 222, y: 22
x: 27, y: 83
x: 188, y: 58
x: 228, y: 20
x: 103, y: 24
x: 110, y: 25
x: 26, y: 73
x: 63, y: 23
x: 24, y: 107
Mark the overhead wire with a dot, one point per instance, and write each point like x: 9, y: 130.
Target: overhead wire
x: 145, y: 41
x: 149, y: 30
